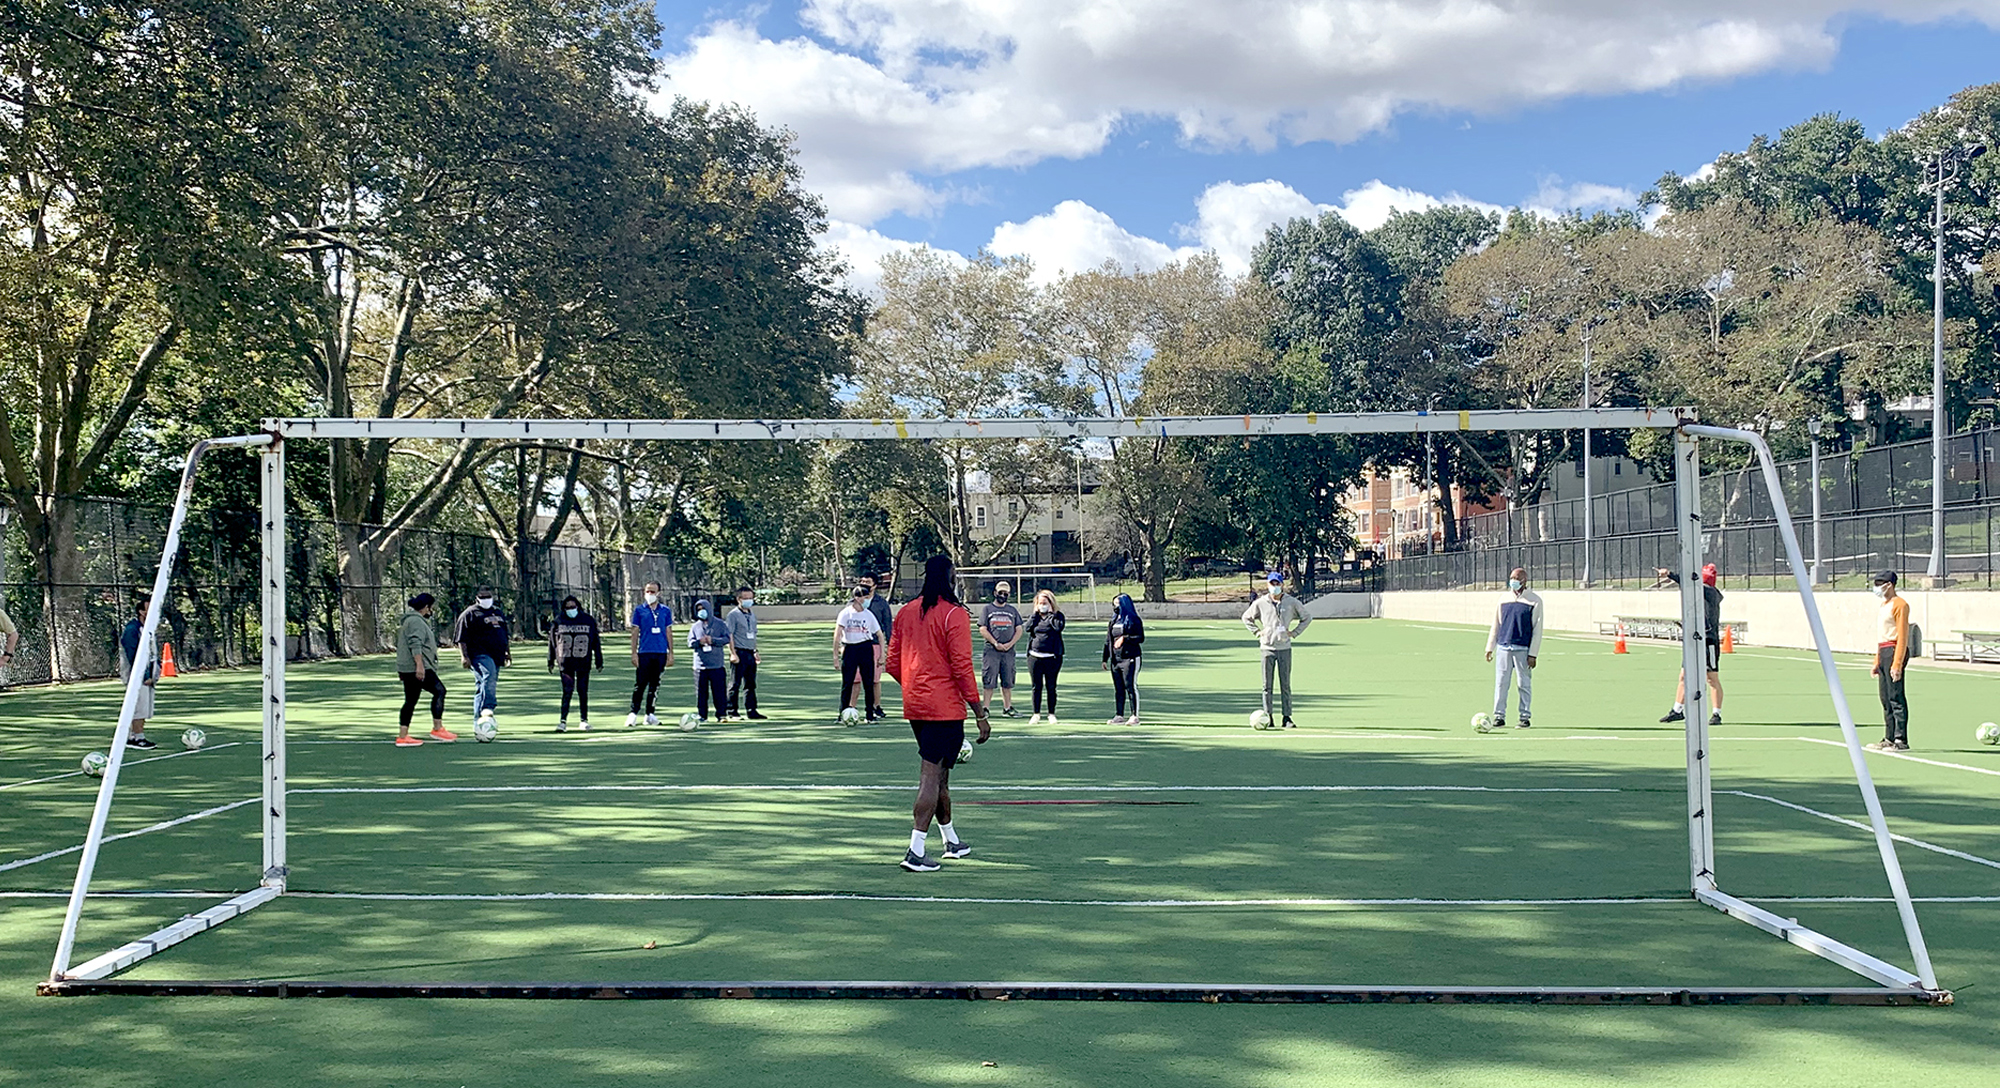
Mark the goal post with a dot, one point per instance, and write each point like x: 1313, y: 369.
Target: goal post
x: 1894, y: 985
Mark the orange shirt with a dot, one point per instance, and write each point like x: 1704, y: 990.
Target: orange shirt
x: 930, y: 655
x: 1895, y: 617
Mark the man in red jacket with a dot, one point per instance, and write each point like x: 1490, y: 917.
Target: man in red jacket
x: 930, y: 655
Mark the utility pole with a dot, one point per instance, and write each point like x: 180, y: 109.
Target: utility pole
x: 1813, y: 425
x: 1953, y: 158
x: 1584, y: 583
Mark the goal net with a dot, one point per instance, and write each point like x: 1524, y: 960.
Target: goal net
x: 537, y: 837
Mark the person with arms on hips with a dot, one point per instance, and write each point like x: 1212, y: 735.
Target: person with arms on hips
x: 128, y: 652
x: 1711, y: 610
x: 1045, y: 651
x: 575, y: 644
x: 10, y: 641
x: 708, y: 640
x: 742, y: 624
x: 1892, y: 655
x: 652, y: 653
x: 1000, y: 626
x: 879, y: 605
x: 856, y: 633
x: 417, y: 666
x: 931, y: 657
x: 1123, y: 640
x: 1513, y: 645
x: 485, y: 646
x: 1276, y: 619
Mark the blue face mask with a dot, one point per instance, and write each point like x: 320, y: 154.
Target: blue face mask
x: 570, y: 612
x: 1514, y: 584
x: 703, y: 613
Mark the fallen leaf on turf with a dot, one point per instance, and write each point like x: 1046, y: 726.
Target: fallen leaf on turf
x: 650, y: 945
x: 989, y: 1065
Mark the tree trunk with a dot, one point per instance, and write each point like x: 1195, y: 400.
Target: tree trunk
x: 1156, y: 565
x: 364, y: 558
x: 74, y: 651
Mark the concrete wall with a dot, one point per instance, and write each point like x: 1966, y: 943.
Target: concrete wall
x: 1775, y: 619
x: 1331, y: 606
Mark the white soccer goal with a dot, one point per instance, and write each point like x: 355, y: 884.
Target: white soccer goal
x: 1028, y: 580
x: 1893, y: 984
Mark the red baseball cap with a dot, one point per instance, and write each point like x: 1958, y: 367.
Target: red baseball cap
x: 1708, y: 575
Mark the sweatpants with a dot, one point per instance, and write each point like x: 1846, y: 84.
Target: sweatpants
x: 1278, y: 663
x: 576, y: 679
x: 413, y: 687
x: 1512, y: 661
x: 711, y: 684
x: 744, y: 684
x: 1125, y: 684
x: 857, y: 662
x: 1042, y: 672
x: 1895, y: 702
x: 647, y: 686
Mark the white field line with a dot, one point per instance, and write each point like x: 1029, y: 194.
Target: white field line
x: 1858, y: 825
x: 614, y: 897
x: 1911, y: 758
x: 147, y: 830
x: 128, y: 763
x: 208, y: 896
x: 906, y: 787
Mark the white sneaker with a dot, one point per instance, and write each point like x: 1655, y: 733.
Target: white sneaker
x: 1034, y: 719
x: 583, y: 726
x: 486, y: 715
x: 652, y: 719
x: 631, y: 720
x: 1053, y: 721
x: 1133, y: 720
x: 1115, y: 721
x: 562, y: 725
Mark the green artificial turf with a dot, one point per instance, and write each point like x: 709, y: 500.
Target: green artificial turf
x: 761, y: 859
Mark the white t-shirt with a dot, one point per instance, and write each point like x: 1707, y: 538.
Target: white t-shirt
x: 856, y: 627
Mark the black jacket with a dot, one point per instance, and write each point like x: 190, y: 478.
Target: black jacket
x: 576, y: 641
x: 1134, y: 636
x: 1044, y: 633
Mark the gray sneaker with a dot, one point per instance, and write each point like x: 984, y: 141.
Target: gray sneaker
x: 919, y: 863
x: 957, y: 850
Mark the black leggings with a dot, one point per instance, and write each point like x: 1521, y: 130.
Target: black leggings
x: 576, y: 678
x: 413, y: 687
x: 1125, y: 682
x: 857, y: 659
x: 1043, y: 670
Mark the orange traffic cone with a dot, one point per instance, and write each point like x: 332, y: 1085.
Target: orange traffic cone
x: 1728, y: 640
x: 1618, y: 647
x: 167, y: 660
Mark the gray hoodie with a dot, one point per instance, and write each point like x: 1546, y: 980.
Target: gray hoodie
x: 1271, y: 620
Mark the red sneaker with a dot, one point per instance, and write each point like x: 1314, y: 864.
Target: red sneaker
x: 408, y: 742
x: 444, y: 736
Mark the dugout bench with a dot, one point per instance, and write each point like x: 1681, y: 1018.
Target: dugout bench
x: 1669, y: 628
x: 1970, y: 647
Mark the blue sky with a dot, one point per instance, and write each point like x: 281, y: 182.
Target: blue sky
x: 1079, y: 130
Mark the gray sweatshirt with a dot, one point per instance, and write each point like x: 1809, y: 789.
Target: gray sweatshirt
x: 1271, y: 621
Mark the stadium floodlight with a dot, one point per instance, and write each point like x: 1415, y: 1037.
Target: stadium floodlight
x: 1894, y: 985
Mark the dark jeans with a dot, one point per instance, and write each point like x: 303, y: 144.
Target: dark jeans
x: 1124, y: 683
x: 413, y: 687
x: 647, y: 685
x: 1895, y: 704
x: 711, y: 683
x: 857, y: 661
x: 1043, y: 671
x: 576, y: 678
x: 744, y: 684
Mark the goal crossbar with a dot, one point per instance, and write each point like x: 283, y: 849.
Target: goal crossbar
x: 1894, y: 985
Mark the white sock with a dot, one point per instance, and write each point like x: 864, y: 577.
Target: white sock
x: 950, y: 836
x: 1680, y: 708
x: 917, y: 842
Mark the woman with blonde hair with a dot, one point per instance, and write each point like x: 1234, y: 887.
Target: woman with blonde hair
x: 1045, y: 651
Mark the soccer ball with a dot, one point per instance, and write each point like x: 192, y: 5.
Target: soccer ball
x: 690, y: 722
x: 484, y: 730
x: 1482, y: 722
x: 94, y: 764
x: 1260, y: 719
x: 1988, y: 733
x: 965, y: 752
x: 193, y: 739
x: 850, y: 716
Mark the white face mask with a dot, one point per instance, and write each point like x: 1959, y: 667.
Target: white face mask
x: 1044, y: 606
x: 1882, y: 591
x: 486, y: 602
x: 1277, y: 591
x: 652, y: 598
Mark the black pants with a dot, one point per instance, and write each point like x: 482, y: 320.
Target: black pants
x: 711, y: 683
x: 745, y: 683
x: 857, y: 660
x: 1895, y: 704
x: 1043, y: 671
x: 576, y: 678
x: 413, y: 687
x: 648, y: 684
x: 1125, y: 682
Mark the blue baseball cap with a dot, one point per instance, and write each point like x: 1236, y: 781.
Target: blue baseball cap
x: 1275, y: 576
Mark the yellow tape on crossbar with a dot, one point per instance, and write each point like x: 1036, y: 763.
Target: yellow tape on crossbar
x: 1464, y: 421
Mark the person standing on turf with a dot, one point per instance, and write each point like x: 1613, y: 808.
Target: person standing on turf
x: 1517, y: 638
x: 1000, y: 626
x: 856, y: 633
x: 1711, y: 609
x: 931, y: 657
x: 708, y: 640
x: 575, y: 643
x: 10, y: 640
x: 743, y: 653
x: 1892, y: 654
x: 879, y: 605
x: 417, y: 666
x: 128, y: 653
x: 485, y: 646
x: 1271, y: 618
x: 1045, y: 651
x: 1122, y: 642
x: 652, y: 653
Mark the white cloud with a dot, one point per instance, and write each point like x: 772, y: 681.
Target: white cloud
x: 1555, y: 198
x: 1075, y: 237
x: 885, y: 93
x: 862, y: 249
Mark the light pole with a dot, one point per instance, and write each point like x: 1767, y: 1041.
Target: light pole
x: 1813, y: 425
x: 1585, y: 582
x: 1951, y: 158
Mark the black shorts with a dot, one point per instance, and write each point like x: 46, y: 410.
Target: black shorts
x: 939, y: 742
x: 1714, y: 653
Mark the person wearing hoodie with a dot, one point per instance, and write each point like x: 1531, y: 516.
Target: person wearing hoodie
x: 417, y: 665
x: 708, y: 638
x: 1122, y: 642
x: 1045, y: 651
x: 575, y: 643
x: 1272, y: 618
x: 1516, y: 637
